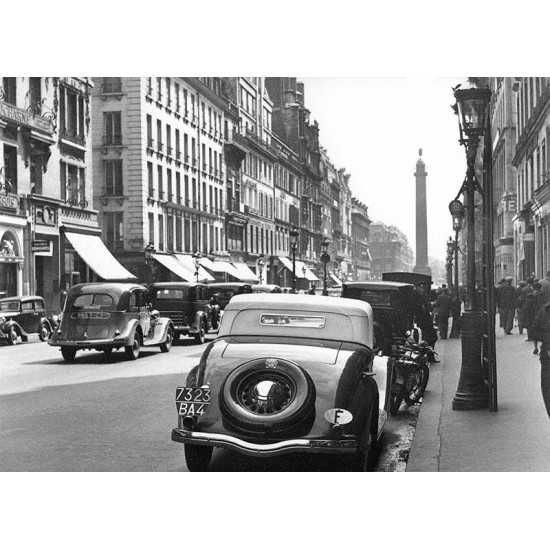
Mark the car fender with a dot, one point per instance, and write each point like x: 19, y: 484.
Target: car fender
x: 200, y: 317
x: 128, y: 334
x: 160, y: 332
x: 11, y: 323
x: 382, y: 368
x: 46, y: 321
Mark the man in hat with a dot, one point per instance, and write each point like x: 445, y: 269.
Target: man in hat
x: 506, y: 300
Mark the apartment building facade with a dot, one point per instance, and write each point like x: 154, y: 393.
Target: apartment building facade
x: 160, y: 174
x: 360, y: 225
x: 49, y: 233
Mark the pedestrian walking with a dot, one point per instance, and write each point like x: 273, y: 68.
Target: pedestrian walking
x: 498, y: 289
x: 545, y: 286
x: 540, y: 331
x: 443, y: 307
x: 535, y: 300
x: 506, y: 299
x: 521, y: 295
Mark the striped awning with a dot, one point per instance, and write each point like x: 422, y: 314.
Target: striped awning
x: 189, y: 264
x: 170, y: 262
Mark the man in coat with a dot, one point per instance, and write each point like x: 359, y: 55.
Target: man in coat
x: 443, y: 306
x: 540, y: 331
x: 506, y: 299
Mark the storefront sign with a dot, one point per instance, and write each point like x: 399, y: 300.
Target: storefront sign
x: 23, y: 117
x: 41, y: 245
x: 9, y: 201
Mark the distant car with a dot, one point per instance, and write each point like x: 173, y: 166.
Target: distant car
x: 110, y: 316
x: 274, y: 289
x: 287, y: 373
x: 187, y: 305
x: 393, y: 306
x: 21, y: 316
x: 225, y: 291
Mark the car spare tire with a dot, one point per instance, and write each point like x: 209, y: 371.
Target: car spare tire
x: 267, y: 394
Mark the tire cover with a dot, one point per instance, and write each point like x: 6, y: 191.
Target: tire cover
x: 304, y: 396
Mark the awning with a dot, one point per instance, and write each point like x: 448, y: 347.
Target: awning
x: 286, y: 262
x: 303, y: 272
x: 245, y: 273
x: 92, y: 250
x: 189, y: 265
x: 335, y: 279
x: 171, y: 263
x: 300, y: 273
x: 220, y: 266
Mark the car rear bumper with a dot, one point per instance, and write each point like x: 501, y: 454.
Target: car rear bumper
x: 85, y: 344
x: 336, y: 446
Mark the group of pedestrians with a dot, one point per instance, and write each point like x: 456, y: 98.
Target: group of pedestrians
x: 446, y: 305
x: 526, y: 301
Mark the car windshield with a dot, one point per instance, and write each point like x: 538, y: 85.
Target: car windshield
x: 93, y: 301
x: 9, y: 306
x: 174, y: 293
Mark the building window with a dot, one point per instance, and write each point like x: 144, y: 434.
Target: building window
x: 112, y: 128
x: 178, y: 188
x: 159, y: 88
x: 160, y: 183
x: 178, y: 234
x: 112, y: 85
x: 210, y: 237
x: 170, y: 232
x: 168, y: 93
x: 36, y: 171
x: 169, y: 184
x: 151, y: 217
x: 9, y: 83
x: 10, y: 168
x: 35, y: 94
x: 178, y: 152
x: 113, y: 177
x: 150, y: 180
x: 159, y: 135
x: 71, y: 115
x: 149, y: 131
x: 161, y: 231
x: 169, y: 140
x: 186, y: 190
x: 186, y: 235
x: 177, y: 94
x: 149, y: 91
x: 185, y: 148
x: 73, y: 184
x: 113, y: 226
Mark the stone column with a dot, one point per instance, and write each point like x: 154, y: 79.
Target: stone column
x: 421, y: 219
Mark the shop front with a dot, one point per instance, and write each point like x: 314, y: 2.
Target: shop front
x: 11, y: 260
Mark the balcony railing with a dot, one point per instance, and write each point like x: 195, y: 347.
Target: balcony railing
x: 72, y: 136
x: 112, y: 139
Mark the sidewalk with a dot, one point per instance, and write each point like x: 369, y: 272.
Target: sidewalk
x: 516, y: 438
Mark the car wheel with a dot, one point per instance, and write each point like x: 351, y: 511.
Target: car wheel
x: 267, y: 393
x: 45, y: 332
x: 69, y: 354
x: 12, y: 336
x: 165, y: 346
x: 132, y: 352
x: 200, y: 336
x: 363, y: 460
x: 418, y: 386
x: 197, y: 457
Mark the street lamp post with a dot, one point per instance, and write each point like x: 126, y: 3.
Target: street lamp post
x: 293, y: 246
x: 472, y: 392
x: 261, y: 263
x: 197, y: 260
x: 449, y: 263
x: 325, y: 258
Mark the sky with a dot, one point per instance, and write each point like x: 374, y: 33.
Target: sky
x: 374, y: 128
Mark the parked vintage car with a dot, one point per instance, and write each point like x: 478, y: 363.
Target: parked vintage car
x: 393, y: 307
x: 187, y: 305
x: 225, y: 291
x: 287, y: 373
x: 266, y: 288
x: 21, y: 316
x: 110, y: 316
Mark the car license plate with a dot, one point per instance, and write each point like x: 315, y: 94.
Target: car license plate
x: 192, y: 401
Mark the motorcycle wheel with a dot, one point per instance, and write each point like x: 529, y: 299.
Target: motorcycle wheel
x: 416, y: 391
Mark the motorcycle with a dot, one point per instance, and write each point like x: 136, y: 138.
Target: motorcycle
x: 411, y: 373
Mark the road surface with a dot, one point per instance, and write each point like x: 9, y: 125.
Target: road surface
x: 115, y: 415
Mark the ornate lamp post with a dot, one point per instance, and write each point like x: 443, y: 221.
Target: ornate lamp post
x: 325, y: 258
x: 449, y: 262
x: 197, y: 260
x: 261, y: 263
x: 293, y: 246
x: 472, y: 392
